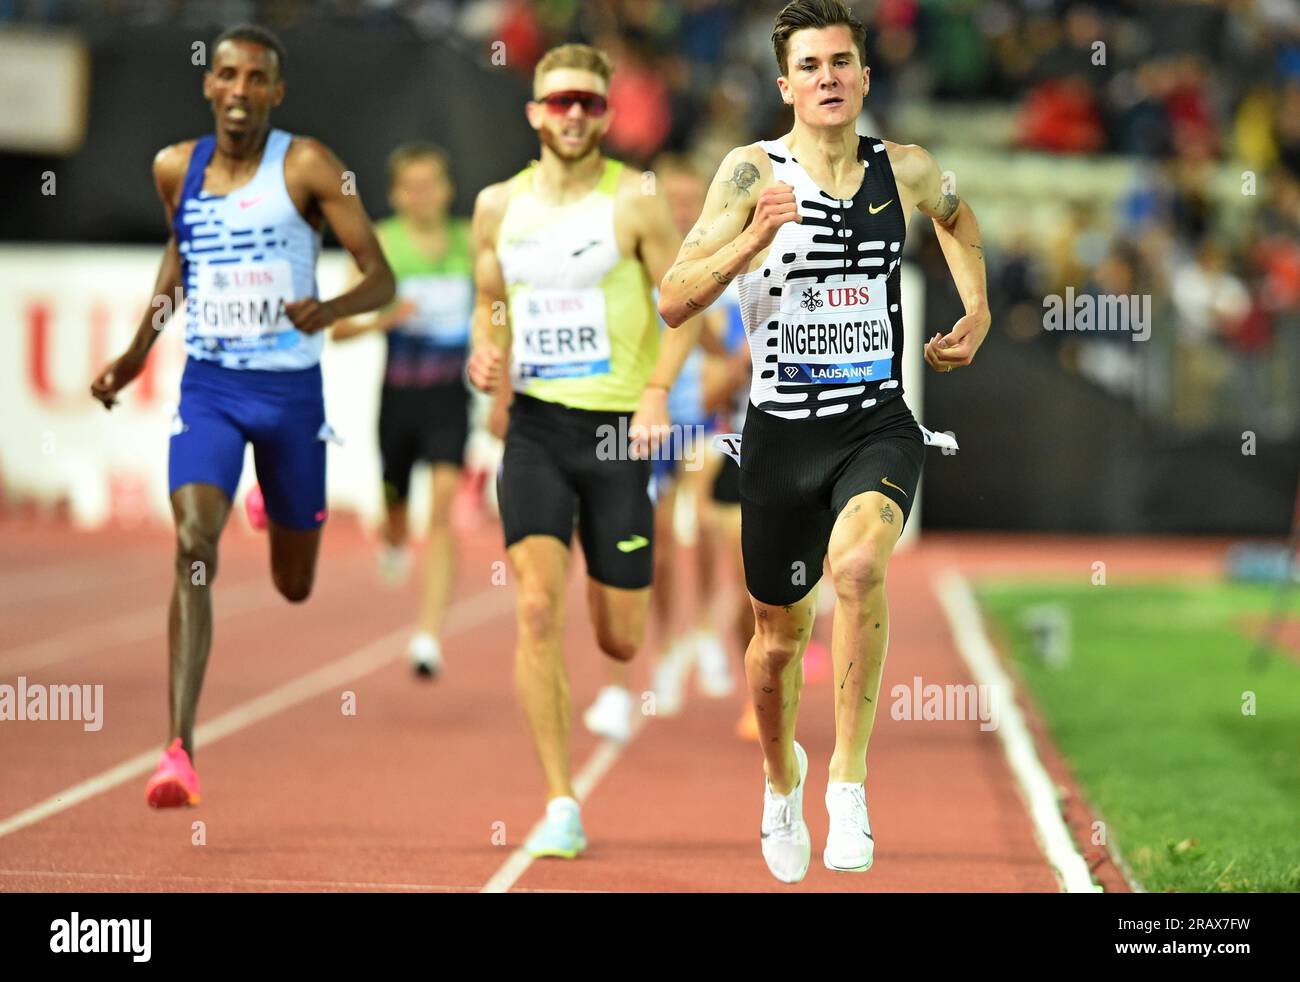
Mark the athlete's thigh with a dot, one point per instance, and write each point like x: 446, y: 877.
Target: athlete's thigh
x: 207, y: 443
x: 293, y: 551
x: 535, y: 495
x: 398, y: 444
x: 289, y: 451
x: 783, y: 548
x: 618, y: 613
x: 616, y: 522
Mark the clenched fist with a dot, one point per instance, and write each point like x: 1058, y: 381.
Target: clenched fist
x: 485, y: 367
x: 776, y: 207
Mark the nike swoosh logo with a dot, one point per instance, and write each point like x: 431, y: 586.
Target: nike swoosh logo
x: 588, y: 246
x: 890, y: 484
x: 874, y: 210
x: 633, y: 544
x: 249, y: 202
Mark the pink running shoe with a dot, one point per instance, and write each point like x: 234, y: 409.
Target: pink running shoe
x: 816, y: 662
x: 175, y: 783
x: 255, y: 508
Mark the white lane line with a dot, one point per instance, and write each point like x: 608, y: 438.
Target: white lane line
x: 597, y: 766
x: 245, y: 883
x: 467, y: 614
x: 132, y: 628
x: 1036, y: 786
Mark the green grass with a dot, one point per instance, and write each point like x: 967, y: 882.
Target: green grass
x: 1198, y: 795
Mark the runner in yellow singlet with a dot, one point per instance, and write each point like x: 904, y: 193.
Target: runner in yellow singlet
x: 566, y: 253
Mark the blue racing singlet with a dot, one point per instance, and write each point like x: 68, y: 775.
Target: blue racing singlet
x: 245, y: 255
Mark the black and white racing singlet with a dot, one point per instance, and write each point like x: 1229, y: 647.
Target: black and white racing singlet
x: 823, y: 313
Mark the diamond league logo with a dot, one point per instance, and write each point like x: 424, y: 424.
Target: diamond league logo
x: 810, y: 300
x: 791, y: 371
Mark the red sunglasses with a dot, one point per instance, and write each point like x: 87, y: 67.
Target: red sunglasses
x: 559, y: 103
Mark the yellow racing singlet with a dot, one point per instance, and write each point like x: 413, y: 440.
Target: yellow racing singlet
x: 582, y: 319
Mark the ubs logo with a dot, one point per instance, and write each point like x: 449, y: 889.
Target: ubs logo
x: 810, y: 300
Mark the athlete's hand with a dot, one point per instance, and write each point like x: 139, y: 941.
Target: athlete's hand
x: 115, y: 378
x: 775, y: 208
x: 310, y: 315
x: 957, y: 348
x: 650, y: 423
x: 398, y: 315
x: 486, y: 364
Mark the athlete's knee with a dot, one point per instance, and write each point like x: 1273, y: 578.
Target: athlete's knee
x: 777, y: 642
x: 294, y: 585
x: 539, y: 612
x: 859, y: 570
x: 620, y: 644
x: 196, y: 553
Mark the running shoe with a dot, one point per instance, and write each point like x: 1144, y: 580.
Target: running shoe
x: 560, y: 834
x: 425, y: 653
x: 255, y: 508
x: 394, y: 564
x: 849, y: 846
x: 669, y: 682
x: 787, y: 847
x: 747, y: 726
x: 175, y: 783
x: 610, y: 716
x: 715, y: 677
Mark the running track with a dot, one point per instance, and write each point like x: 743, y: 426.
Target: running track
x: 417, y: 790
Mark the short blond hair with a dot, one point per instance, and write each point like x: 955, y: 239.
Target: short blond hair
x: 581, y: 56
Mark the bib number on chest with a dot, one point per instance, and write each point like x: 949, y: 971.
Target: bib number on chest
x: 443, y: 307
x: 244, y: 301
x: 835, y: 333
x: 560, y: 334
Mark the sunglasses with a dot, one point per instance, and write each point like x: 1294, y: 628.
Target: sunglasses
x: 559, y: 103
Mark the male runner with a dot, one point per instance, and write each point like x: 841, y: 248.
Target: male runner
x: 245, y: 208
x: 424, y: 404
x: 566, y: 252
x: 812, y: 227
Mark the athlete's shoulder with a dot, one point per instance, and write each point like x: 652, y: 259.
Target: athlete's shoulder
x: 912, y: 163
x: 170, y: 162
x: 169, y: 167
x: 309, y: 152
x: 490, y: 208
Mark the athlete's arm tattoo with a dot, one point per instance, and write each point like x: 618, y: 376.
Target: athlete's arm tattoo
x: 693, y: 305
x: 721, y: 278
x: 979, y: 250
x: 887, y: 515
x: 946, y: 207
x: 743, y: 178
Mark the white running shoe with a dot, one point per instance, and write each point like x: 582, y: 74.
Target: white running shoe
x: 787, y: 847
x: 426, y: 655
x: 849, y: 846
x: 669, y: 682
x: 716, y: 680
x: 610, y: 716
x: 394, y: 564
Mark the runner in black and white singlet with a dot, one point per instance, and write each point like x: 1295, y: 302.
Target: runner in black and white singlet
x: 811, y: 227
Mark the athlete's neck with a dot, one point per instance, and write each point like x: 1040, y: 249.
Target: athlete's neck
x: 563, y: 181
x: 833, y: 150
x: 236, y: 149
x: 428, y: 227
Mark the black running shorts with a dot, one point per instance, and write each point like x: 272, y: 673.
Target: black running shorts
x: 429, y: 423
x: 796, y: 476
x: 726, y: 486
x: 557, y: 458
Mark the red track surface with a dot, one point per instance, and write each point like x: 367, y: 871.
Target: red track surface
x: 408, y: 793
